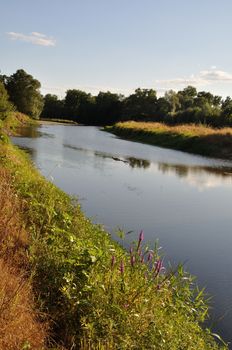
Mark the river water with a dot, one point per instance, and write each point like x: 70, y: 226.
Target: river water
x: 180, y: 199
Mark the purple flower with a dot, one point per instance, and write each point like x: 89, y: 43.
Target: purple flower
x: 141, y: 238
x: 158, y: 267
x: 150, y: 256
x: 131, y: 250
x: 132, y: 260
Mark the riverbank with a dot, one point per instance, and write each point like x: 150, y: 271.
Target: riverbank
x: 206, y: 141
x: 56, y: 121
x: 94, y: 294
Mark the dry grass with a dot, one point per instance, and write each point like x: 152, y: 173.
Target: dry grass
x: 191, y: 129
x: 20, y: 327
x: 191, y: 138
x: 13, y: 236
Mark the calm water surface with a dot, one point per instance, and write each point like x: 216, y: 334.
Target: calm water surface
x: 183, y: 200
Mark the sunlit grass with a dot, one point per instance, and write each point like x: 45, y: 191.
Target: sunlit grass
x: 189, y: 129
x: 191, y: 138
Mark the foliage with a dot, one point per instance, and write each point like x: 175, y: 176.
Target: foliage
x: 142, y: 103
x: 185, y: 106
x: 53, y: 107
x: 94, y: 291
x: 5, y: 105
x: 24, y: 93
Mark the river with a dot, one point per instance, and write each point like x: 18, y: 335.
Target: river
x: 183, y: 200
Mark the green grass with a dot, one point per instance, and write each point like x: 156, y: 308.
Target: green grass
x: 189, y: 138
x: 97, y: 295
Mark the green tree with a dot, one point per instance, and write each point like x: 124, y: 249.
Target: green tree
x: 187, y: 96
x: 53, y: 107
x: 5, y: 105
x: 24, y: 93
x: 108, y: 107
x: 141, y: 104
x: 227, y: 109
x: 78, y: 105
x: 173, y: 100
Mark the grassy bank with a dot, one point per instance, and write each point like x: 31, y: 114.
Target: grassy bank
x: 188, y: 138
x: 14, y: 120
x: 57, y: 121
x: 83, y: 290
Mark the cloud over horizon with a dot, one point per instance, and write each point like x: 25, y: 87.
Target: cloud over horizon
x: 34, y: 38
x: 204, y: 77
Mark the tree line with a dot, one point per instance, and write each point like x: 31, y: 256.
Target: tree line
x: 22, y: 91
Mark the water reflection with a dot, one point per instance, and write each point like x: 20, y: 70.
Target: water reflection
x: 31, y: 132
x: 30, y: 151
x: 183, y: 170
x: 131, y: 161
x: 201, y: 177
x: 138, y: 163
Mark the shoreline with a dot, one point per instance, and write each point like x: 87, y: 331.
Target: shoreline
x: 56, y: 122
x: 200, y: 140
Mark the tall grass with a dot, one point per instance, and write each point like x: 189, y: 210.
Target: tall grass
x: 192, y: 138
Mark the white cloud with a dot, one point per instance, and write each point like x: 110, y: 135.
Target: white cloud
x: 34, y: 38
x: 215, y: 75
x: 204, y: 77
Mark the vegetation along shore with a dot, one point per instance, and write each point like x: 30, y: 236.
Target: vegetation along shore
x: 192, y: 138
x: 65, y: 284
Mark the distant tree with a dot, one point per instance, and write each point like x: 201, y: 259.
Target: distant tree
x: 173, y: 100
x: 78, y: 105
x: 24, y: 93
x: 5, y: 105
x: 53, y: 107
x: 226, y: 110
x: 227, y: 106
x: 141, y: 105
x: 184, y: 106
x: 163, y: 108
x: 108, y: 107
x: 186, y: 97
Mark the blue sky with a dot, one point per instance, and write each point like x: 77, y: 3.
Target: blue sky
x: 119, y: 45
